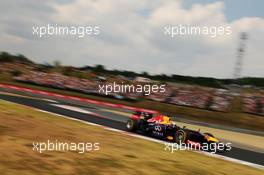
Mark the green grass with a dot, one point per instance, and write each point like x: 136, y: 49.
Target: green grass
x: 119, y: 154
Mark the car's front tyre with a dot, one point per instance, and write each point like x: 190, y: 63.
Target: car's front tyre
x: 180, y: 137
x: 131, y: 125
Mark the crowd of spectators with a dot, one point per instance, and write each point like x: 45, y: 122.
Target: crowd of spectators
x: 58, y: 80
x: 211, y: 99
x: 253, y: 103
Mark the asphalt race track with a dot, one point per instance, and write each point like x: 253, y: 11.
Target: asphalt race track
x: 111, y: 120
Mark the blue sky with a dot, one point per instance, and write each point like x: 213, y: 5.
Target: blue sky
x: 234, y: 9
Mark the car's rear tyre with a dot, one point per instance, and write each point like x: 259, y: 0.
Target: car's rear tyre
x: 131, y: 125
x: 212, y: 147
x: 180, y: 137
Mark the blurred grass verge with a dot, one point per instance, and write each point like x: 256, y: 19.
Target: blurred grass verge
x: 119, y: 154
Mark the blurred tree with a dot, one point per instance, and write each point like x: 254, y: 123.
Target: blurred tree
x: 5, y: 57
x: 99, y: 68
x: 57, y: 67
x: 145, y: 74
x: 57, y: 64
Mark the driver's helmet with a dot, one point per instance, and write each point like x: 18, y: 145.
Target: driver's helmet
x: 147, y: 116
x: 166, y: 119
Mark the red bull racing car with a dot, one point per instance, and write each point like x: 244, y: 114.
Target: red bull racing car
x: 161, y: 126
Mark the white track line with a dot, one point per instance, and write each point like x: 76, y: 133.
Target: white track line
x: 66, y: 117
x: 49, y: 100
x: 72, y: 108
x: 77, y: 109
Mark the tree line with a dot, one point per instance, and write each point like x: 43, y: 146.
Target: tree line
x: 101, y: 70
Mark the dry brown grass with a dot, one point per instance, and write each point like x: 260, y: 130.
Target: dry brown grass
x: 119, y: 154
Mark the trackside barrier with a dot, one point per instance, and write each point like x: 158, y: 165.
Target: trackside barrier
x: 86, y: 100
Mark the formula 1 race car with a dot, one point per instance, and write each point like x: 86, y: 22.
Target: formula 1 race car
x: 163, y: 128
x: 159, y: 126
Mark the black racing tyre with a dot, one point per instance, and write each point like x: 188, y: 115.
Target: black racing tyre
x: 180, y: 137
x: 212, y: 149
x: 131, y: 125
